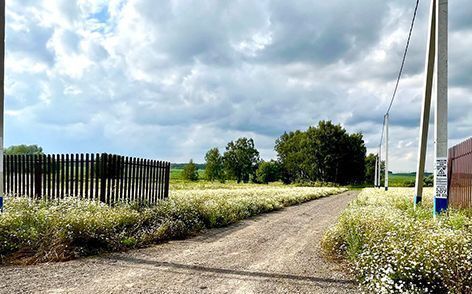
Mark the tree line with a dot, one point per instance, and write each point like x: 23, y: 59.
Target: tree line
x: 322, y: 153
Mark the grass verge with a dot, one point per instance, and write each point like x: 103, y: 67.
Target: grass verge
x: 38, y: 231
x: 394, y: 248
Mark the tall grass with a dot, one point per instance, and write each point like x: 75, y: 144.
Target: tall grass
x: 36, y: 231
x: 394, y: 248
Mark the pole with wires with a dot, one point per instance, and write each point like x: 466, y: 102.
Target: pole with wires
x: 379, y: 174
x: 376, y: 184
x: 386, y: 152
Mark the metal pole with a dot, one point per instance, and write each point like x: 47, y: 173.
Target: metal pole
x: 376, y: 171
x: 2, y: 93
x: 426, y: 108
x: 386, y: 152
x: 440, y: 140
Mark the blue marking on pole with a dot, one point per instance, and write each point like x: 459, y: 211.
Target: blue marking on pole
x: 418, y: 199
x: 440, y: 205
x: 1, y: 203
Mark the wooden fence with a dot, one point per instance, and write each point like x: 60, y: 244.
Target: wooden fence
x: 460, y: 175
x: 102, y: 177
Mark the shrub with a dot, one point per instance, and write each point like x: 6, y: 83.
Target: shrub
x: 48, y: 231
x: 190, y: 172
x: 395, y: 248
x: 267, y: 172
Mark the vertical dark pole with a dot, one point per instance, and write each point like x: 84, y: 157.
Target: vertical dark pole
x: 92, y: 175
x: 167, y: 179
x: 82, y: 175
x: 141, y: 180
x: 125, y: 180
x: 77, y: 174
x: 63, y: 169
x: 132, y: 178
x: 162, y: 179
x: 153, y: 176
x: 23, y: 175
x: 87, y: 176
x: 37, y: 176
x: 49, y: 177
x: 5, y: 174
x: 44, y: 175
x: 98, y: 174
x: 146, y: 179
x: 31, y: 175
x: 128, y: 178
x: 103, y: 176
x: 66, y: 175
x: 2, y: 96
x: 121, y: 168
x: 57, y: 172
x: 72, y: 171
x: 53, y: 171
x: 15, y: 170
x: 109, y: 177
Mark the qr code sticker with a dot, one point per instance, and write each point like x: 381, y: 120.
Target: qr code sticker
x: 441, y: 167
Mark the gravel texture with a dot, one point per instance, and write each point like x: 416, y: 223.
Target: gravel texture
x: 277, y: 252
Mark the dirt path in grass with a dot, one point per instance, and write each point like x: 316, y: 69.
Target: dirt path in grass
x: 273, y: 253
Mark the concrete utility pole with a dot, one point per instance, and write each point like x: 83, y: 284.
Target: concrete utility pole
x: 426, y: 108
x: 379, y: 167
x: 2, y: 95
x: 376, y: 171
x: 440, y: 118
x: 437, y: 68
x: 386, y: 152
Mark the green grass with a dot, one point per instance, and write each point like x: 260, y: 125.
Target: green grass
x: 394, y: 248
x: 176, y: 174
x: 403, y: 179
x: 40, y: 231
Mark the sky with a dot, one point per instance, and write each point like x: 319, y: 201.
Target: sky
x: 170, y: 79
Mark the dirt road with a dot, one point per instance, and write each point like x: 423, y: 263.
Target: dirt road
x: 274, y: 253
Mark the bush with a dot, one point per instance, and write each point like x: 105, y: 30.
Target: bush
x: 267, y: 172
x: 395, y: 248
x: 190, y: 172
x: 48, y: 231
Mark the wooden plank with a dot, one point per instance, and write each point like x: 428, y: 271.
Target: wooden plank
x: 167, y: 180
x: 23, y: 175
x: 92, y: 175
x: 86, y: 177
x: 126, y: 188
x: 133, y: 179
x: 62, y: 167
x: 53, y: 176
x: 81, y: 175
x: 77, y: 174
x: 103, y: 176
x: 67, y: 175
x: 97, y: 176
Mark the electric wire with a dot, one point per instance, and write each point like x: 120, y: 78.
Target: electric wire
x: 405, y: 53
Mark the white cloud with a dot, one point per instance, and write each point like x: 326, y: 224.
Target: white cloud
x: 170, y: 79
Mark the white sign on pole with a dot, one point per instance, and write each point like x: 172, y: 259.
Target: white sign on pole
x: 440, y: 181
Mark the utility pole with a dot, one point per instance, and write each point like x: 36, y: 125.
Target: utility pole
x: 379, y: 167
x: 386, y: 152
x: 440, y: 118
x: 426, y: 108
x: 437, y: 69
x: 2, y: 96
x: 376, y: 171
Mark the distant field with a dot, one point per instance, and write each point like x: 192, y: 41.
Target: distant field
x: 176, y: 174
x: 403, y: 179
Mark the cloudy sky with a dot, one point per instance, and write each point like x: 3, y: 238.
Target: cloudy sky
x: 170, y: 79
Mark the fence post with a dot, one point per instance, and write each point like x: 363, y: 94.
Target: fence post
x: 167, y: 176
x: 37, y: 176
x: 103, y: 177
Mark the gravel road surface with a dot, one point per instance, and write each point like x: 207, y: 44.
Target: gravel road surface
x: 277, y: 252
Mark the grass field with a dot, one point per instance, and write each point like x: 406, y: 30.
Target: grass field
x: 176, y: 174
x: 38, y: 231
x: 394, y: 248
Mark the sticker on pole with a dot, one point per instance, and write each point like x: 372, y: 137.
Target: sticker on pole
x: 440, y: 182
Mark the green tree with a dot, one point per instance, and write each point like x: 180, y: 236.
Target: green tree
x: 370, y: 168
x: 214, y: 169
x: 267, y: 172
x: 24, y: 150
x: 241, y: 159
x: 324, y: 153
x: 190, y: 172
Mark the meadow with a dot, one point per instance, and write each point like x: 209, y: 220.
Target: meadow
x: 39, y: 231
x: 394, y: 248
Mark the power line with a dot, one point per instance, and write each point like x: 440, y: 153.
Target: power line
x: 405, y: 53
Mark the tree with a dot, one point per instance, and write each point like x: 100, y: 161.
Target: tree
x: 190, y: 172
x: 241, y: 159
x: 24, y: 150
x: 267, y: 172
x: 214, y: 169
x: 370, y: 168
x: 324, y: 153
